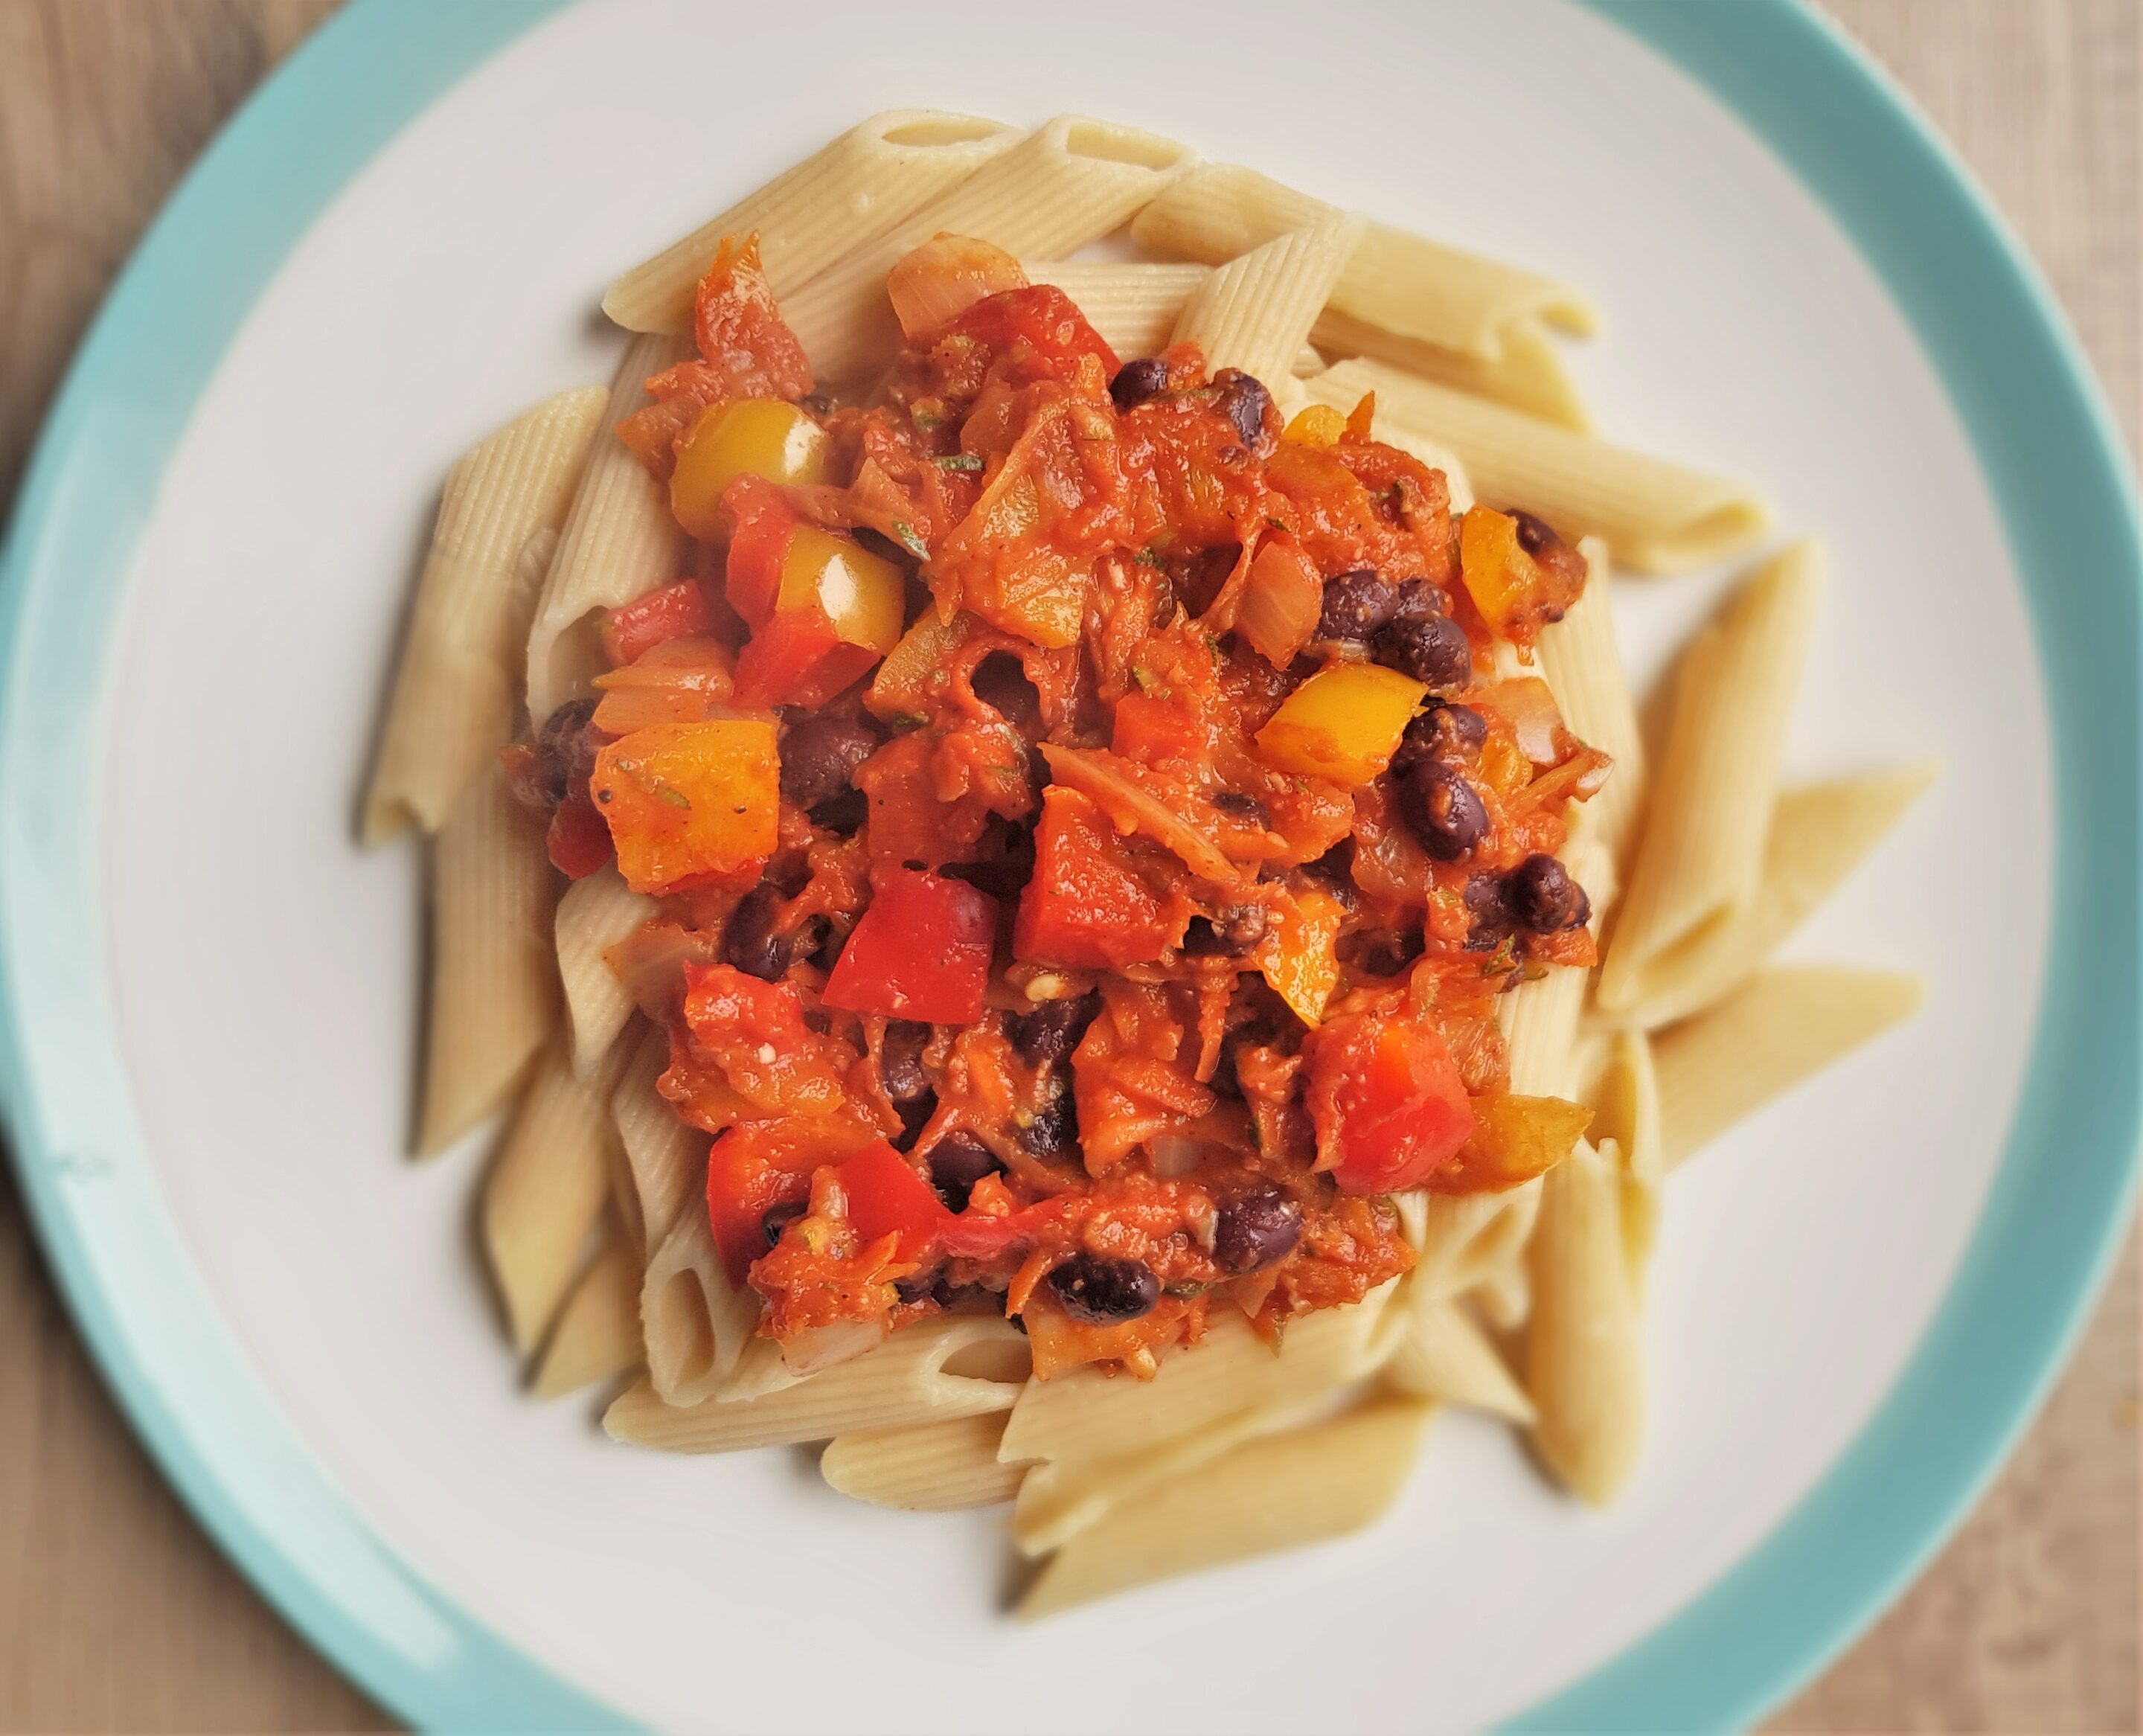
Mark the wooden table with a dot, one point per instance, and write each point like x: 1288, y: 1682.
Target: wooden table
x: 116, y: 1614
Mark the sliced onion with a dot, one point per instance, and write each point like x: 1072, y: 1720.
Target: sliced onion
x: 814, y: 1347
x: 1530, y: 708
x: 934, y: 285
x: 1282, y: 598
x: 1172, y: 1154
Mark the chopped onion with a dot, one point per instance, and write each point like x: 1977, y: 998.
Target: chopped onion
x: 806, y: 1351
x: 934, y: 285
x: 1282, y: 598
x: 1174, y: 1156
x: 1530, y: 709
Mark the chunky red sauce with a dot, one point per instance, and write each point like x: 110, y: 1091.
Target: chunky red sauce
x: 1091, y: 835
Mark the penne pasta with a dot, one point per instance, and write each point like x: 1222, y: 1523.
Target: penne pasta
x: 1526, y: 372
x: 666, y: 1161
x: 1444, y: 1355
x: 494, y: 990
x: 452, y: 706
x: 1064, y: 184
x: 1583, y: 666
x: 545, y: 1192
x: 1654, y: 516
x: 1254, y: 313
x: 933, y: 1467
x: 1084, y: 1414
x: 618, y: 541
x: 1819, y: 834
x: 954, y: 1366
x: 1133, y: 306
x: 1781, y: 1025
x: 876, y: 173
x: 1466, y: 1238
x: 1626, y: 1109
x: 1306, y: 1486
x: 1503, y: 1295
x: 597, y: 1335
x: 1400, y: 283
x: 595, y: 912
x: 696, y: 1323
x: 1062, y: 1497
x: 1702, y: 857
x: 1584, y: 1354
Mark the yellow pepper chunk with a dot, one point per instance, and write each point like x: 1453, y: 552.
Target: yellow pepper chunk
x: 1344, y: 723
x: 742, y: 436
x: 862, y: 595
x: 1298, y: 956
x: 1319, y: 425
x: 687, y: 803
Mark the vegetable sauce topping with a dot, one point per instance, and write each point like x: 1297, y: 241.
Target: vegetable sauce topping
x: 1090, y: 828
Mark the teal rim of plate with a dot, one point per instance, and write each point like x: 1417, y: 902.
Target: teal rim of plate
x: 2048, y: 1233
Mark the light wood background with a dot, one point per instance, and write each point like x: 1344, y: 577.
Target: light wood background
x: 116, y: 1614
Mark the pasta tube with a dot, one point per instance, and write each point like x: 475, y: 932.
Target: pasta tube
x: 595, y: 913
x: 932, y: 1467
x: 597, y: 1336
x: 1254, y: 313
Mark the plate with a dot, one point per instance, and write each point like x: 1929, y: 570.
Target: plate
x: 207, y: 1031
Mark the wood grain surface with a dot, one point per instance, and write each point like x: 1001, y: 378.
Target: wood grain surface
x: 115, y: 1611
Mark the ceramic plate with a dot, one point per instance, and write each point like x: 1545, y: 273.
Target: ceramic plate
x: 211, y: 994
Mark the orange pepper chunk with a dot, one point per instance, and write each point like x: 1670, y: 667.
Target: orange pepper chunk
x: 691, y: 803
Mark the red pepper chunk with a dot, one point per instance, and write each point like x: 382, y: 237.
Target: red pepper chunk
x: 1388, y: 1104
x: 579, y: 840
x: 1084, y: 910
x: 922, y: 951
x: 760, y: 519
x: 887, y: 1197
x: 758, y: 1166
x: 675, y: 612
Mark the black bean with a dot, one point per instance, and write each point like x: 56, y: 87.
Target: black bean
x: 816, y: 405
x: 1224, y: 1083
x: 775, y: 1218
x: 1487, y: 902
x: 1335, y: 869
x: 751, y: 941
x: 1235, y: 803
x: 923, y: 1286
x: 956, y: 1163
x: 1449, y: 732
x: 1433, y: 651
x: 1255, y: 1229
x: 1420, y: 601
x: 1000, y: 682
x: 1356, y: 605
x: 1246, y: 404
x: 1137, y: 381
x: 1385, y: 951
x: 565, y: 756
x: 915, y: 1114
x: 1535, y: 535
x: 1194, y: 579
x: 1054, y: 1128
x: 1544, y: 898
x: 1101, y: 1291
x: 1441, y: 809
x: 843, y: 814
x: 1004, y: 860
x: 1054, y: 1029
x: 900, y: 1059
x: 1227, y: 933
x: 819, y: 754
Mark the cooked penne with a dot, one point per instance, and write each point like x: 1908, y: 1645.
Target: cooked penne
x: 1402, y: 283
x: 1467, y: 1238
x: 1444, y: 1355
x: 1064, y: 184
x: 697, y: 1324
x: 1062, y: 1497
x: 1819, y: 834
x: 876, y: 173
x: 618, y: 541
x: 1133, y: 306
x: 1625, y: 1106
x: 1584, y: 1354
x: 1303, y: 1487
x: 933, y: 1467
x: 1583, y: 666
x: 1654, y: 516
x: 1702, y: 858
x: 597, y: 1334
x: 597, y: 912
x: 1254, y: 313
x: 454, y: 692
x: 666, y: 1161
x: 494, y: 994
x: 1087, y: 1414
x: 954, y: 1365
x: 544, y: 1194
x: 1778, y: 1027
x: 1526, y: 372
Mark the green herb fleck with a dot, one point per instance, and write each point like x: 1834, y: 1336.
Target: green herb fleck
x: 1146, y: 678
x: 1150, y: 556
x: 909, y: 541
x: 960, y: 461
x: 675, y: 798
x: 925, y: 420
x: 1273, y: 524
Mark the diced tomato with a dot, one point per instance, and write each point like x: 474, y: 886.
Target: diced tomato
x: 578, y: 841
x: 1156, y: 731
x: 1388, y: 1101
x: 762, y: 1164
x: 799, y: 660
x: 754, y: 1033
x: 1042, y: 326
x: 741, y: 331
x: 922, y: 951
x: 888, y: 1197
x: 675, y: 612
x: 1084, y: 909
x: 760, y: 520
